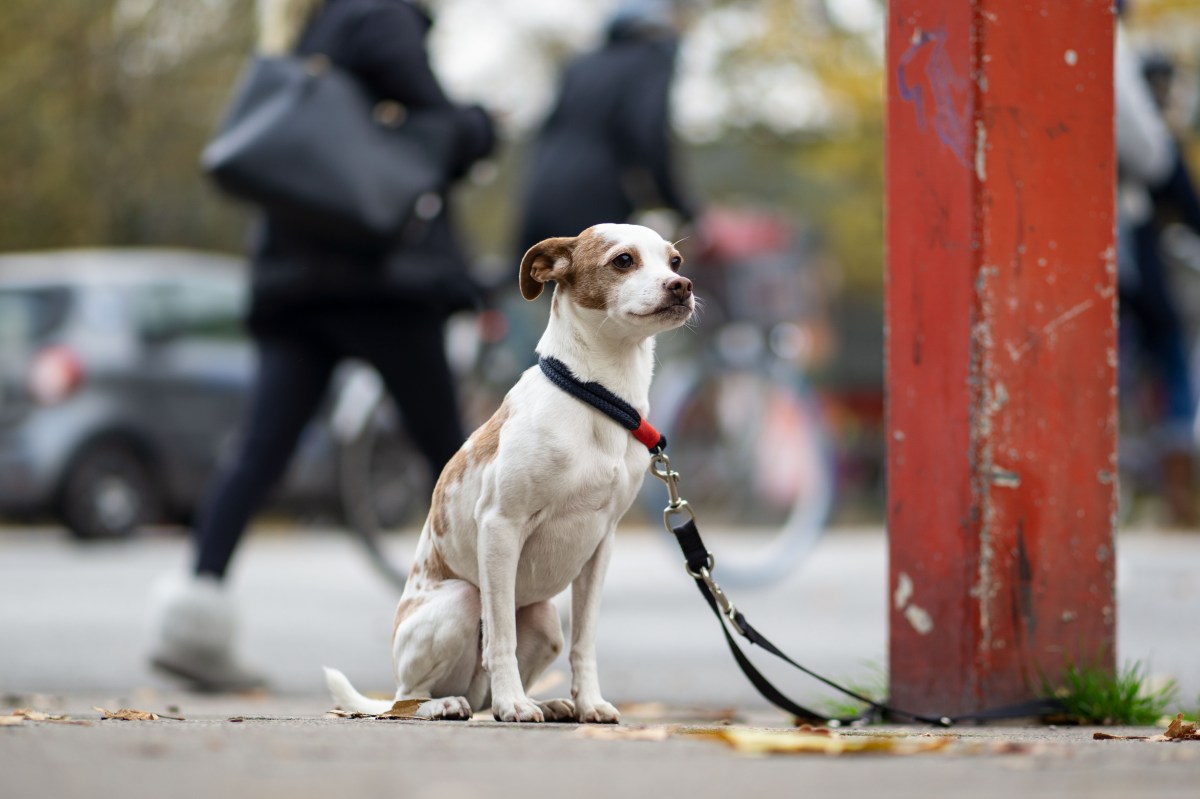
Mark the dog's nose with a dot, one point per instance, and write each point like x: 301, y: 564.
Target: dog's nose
x: 681, y: 287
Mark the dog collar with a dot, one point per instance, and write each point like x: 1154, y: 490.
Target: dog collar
x: 604, y: 401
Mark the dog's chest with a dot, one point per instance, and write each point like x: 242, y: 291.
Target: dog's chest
x: 593, y: 490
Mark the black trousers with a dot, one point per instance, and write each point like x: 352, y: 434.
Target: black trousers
x: 296, y: 362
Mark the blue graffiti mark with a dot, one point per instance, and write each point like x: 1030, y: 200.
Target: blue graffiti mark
x: 952, y: 102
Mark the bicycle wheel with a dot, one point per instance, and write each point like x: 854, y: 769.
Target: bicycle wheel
x: 755, y: 461
x: 383, y: 485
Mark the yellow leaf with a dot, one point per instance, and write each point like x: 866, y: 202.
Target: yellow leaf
x: 11, y: 721
x: 337, y: 712
x: 769, y: 742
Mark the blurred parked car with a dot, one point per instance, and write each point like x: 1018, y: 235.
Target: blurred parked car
x: 123, y: 374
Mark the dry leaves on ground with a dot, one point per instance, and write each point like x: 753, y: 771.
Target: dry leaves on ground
x: 820, y: 741
x: 22, y: 715
x: 403, y: 709
x: 748, y: 741
x: 338, y: 713
x: 129, y: 714
x: 1177, y: 730
x: 400, y: 709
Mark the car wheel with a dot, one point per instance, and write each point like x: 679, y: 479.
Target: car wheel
x: 108, y: 493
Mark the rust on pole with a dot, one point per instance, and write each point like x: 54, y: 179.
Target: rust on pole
x: 1001, y: 347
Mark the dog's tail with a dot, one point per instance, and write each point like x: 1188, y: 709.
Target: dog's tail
x: 349, y: 699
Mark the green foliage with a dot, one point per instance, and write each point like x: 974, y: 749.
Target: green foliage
x: 104, y: 108
x: 874, y: 686
x: 1097, y: 696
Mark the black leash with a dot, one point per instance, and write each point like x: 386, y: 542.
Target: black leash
x: 700, y: 564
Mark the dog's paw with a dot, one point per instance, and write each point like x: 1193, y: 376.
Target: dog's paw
x: 450, y: 708
x: 599, y: 713
x: 558, y: 710
x: 522, y: 710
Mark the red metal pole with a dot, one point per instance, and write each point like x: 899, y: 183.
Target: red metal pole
x: 1001, y: 361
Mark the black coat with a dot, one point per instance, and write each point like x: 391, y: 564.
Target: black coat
x: 382, y: 42
x: 604, y: 151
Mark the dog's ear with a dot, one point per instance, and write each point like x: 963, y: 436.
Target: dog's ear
x: 547, y: 260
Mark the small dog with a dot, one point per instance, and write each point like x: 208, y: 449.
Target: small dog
x: 531, y: 502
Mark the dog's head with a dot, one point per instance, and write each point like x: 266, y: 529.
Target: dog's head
x: 628, y: 273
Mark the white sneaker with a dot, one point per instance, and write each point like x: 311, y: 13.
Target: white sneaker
x: 193, y: 624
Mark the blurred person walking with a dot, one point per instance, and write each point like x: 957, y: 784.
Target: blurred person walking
x: 316, y: 301
x: 1152, y: 176
x: 605, y: 151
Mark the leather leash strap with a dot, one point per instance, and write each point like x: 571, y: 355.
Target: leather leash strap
x: 700, y: 563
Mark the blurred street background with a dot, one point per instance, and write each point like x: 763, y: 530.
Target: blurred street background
x: 105, y: 106
x: 73, y: 618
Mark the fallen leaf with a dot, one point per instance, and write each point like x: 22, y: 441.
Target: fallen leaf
x: 402, y: 709
x: 811, y: 730
x: 236, y: 719
x: 607, y: 733
x: 126, y: 714
x: 337, y: 712
x: 768, y: 742
x: 1179, y: 730
x: 11, y: 721
x: 1108, y: 736
x: 37, y: 715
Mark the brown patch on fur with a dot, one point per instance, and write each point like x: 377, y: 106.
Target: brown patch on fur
x: 486, y: 440
x: 405, y: 609
x: 437, y: 568
x: 539, y: 263
x: 592, y: 277
x: 452, y: 475
x: 480, y: 448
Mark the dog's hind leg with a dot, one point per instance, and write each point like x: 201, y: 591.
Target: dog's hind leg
x: 539, y: 642
x: 435, y: 650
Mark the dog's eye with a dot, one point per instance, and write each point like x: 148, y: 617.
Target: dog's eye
x: 676, y: 262
x: 623, y: 261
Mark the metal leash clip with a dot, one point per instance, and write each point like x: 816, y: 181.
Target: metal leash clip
x: 675, y: 503
x: 660, y: 467
x: 723, y: 602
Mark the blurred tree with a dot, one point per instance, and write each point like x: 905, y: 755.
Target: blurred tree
x: 106, y: 104
x: 104, y: 107
x: 822, y: 157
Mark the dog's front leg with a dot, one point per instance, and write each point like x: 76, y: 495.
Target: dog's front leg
x: 590, y: 707
x: 499, y: 551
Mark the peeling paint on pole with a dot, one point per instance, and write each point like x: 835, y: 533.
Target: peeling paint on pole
x: 1001, y: 363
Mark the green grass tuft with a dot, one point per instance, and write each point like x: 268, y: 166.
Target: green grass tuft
x: 1095, y: 696
x: 875, y: 687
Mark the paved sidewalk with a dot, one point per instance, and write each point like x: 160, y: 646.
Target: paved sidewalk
x: 289, y: 748
x: 71, y: 639
x: 71, y: 618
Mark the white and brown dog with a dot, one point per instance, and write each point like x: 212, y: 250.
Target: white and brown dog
x: 530, y: 504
